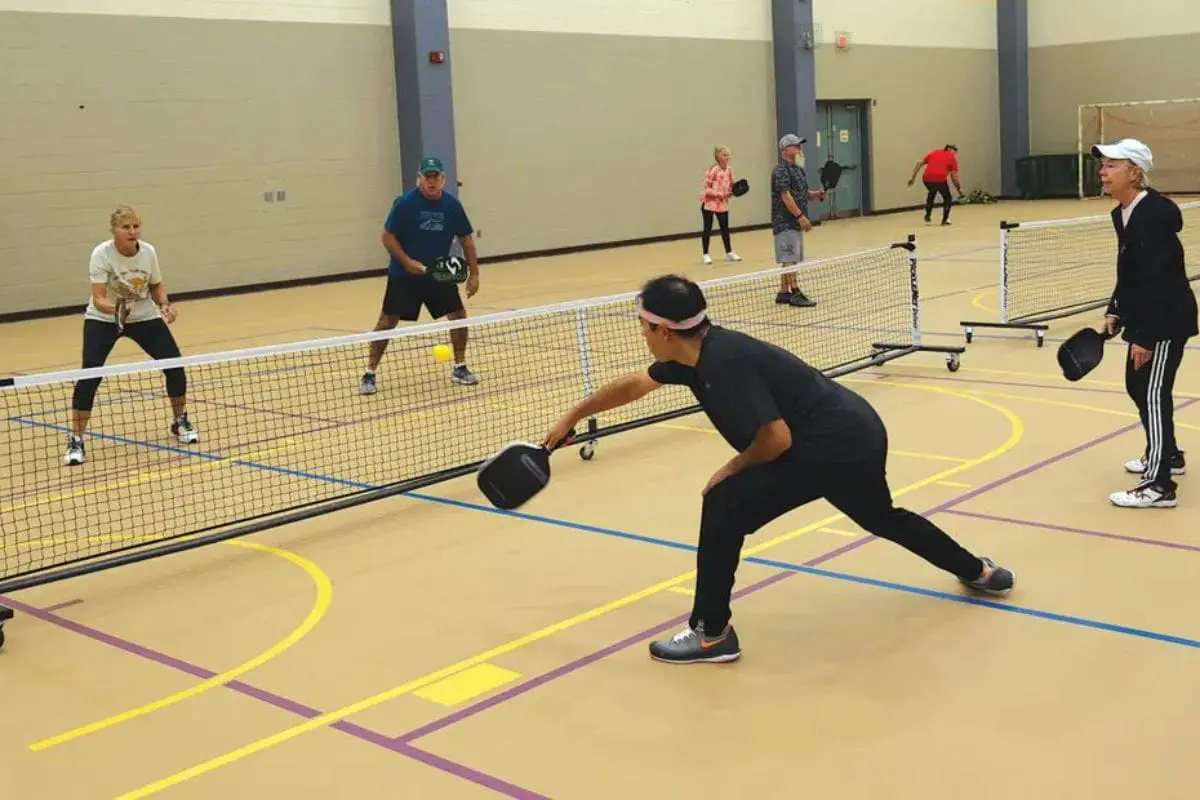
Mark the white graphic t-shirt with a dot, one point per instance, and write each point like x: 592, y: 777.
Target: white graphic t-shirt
x: 128, y: 278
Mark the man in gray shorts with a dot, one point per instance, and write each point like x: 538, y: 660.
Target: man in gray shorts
x: 789, y: 217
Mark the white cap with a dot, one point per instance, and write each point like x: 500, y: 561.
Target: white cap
x: 1126, y: 150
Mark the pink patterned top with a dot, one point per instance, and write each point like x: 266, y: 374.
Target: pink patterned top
x: 718, y: 188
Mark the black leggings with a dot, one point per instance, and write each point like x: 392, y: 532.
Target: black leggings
x: 935, y: 189
x: 99, y: 338
x: 722, y: 220
x: 1151, y: 389
x: 744, y: 503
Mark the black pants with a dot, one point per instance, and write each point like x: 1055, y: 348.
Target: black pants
x: 744, y: 503
x: 1150, y: 388
x: 722, y: 220
x: 935, y: 189
x: 99, y: 338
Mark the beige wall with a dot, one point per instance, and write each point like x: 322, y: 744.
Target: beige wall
x: 922, y: 98
x: 1063, y: 77
x: 203, y: 118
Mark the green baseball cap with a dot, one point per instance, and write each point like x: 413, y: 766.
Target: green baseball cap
x: 431, y: 164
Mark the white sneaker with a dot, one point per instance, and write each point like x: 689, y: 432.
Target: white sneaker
x: 1137, y: 466
x: 731, y: 256
x: 75, y: 452
x: 183, y: 430
x: 706, y: 260
x: 1144, y: 495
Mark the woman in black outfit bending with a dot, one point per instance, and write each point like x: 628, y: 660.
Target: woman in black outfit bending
x: 1155, y: 308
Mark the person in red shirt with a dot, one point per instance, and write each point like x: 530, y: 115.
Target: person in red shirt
x: 939, y: 165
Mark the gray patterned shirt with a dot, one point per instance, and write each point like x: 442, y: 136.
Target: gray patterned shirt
x: 787, y: 178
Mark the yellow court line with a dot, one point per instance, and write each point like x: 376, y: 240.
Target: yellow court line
x: 955, y: 484
x: 1016, y: 432
x: 323, y: 600
x: 891, y: 452
x: 1065, y: 404
x: 837, y: 532
x: 975, y: 301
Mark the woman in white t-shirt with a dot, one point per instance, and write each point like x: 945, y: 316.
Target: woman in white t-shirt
x: 128, y: 299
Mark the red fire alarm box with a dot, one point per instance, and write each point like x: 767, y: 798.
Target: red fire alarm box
x: 436, y: 56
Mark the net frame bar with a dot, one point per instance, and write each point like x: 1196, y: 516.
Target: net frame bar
x: 135, y: 551
x: 1037, y: 321
x: 1081, y: 149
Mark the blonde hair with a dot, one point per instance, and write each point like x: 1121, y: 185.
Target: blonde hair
x: 718, y: 150
x: 123, y: 214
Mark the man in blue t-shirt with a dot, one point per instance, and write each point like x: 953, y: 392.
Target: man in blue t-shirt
x: 421, y: 228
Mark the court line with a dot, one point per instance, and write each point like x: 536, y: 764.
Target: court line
x: 276, y: 700
x: 324, y: 597
x: 891, y: 451
x: 403, y: 745
x: 1049, y: 526
x: 1063, y: 404
x: 1022, y: 374
x: 532, y: 683
x: 1015, y: 435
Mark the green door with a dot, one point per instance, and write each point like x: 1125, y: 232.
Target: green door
x: 846, y: 147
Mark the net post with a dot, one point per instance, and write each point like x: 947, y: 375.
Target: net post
x: 1005, y: 227
x: 911, y: 246
x: 585, y: 367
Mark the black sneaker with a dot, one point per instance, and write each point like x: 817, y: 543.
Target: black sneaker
x: 994, y: 580
x: 801, y: 300
x: 691, y: 646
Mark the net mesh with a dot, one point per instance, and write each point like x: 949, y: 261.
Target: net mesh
x: 285, y: 427
x: 1057, y: 268
x: 1171, y: 129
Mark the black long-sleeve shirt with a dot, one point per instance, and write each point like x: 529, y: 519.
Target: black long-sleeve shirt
x: 1152, y: 299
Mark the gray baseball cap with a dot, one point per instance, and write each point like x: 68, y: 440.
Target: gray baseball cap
x: 791, y: 140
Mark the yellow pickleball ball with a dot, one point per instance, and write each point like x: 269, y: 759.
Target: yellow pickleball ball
x: 441, y: 352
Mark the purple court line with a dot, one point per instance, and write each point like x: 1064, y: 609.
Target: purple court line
x: 533, y: 683
x: 1049, y: 526
x: 280, y: 702
x: 62, y: 605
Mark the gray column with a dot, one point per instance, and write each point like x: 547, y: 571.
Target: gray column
x: 793, y: 37
x: 424, y: 98
x: 1012, y: 51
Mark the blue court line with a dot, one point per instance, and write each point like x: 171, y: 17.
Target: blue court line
x: 979, y: 601
x: 676, y: 545
x: 202, y: 455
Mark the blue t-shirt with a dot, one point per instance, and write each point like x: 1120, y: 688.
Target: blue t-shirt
x: 425, y: 228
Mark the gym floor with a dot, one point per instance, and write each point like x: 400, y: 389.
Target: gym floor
x: 428, y: 646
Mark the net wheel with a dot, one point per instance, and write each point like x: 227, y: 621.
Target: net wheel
x: 1041, y: 338
x: 587, y: 451
x: 969, y: 332
x: 952, y: 363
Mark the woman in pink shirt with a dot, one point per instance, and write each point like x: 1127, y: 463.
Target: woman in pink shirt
x: 718, y: 188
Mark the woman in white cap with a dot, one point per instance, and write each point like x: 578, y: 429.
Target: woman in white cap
x: 1154, y: 309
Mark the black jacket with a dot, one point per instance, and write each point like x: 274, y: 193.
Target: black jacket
x: 1153, y: 299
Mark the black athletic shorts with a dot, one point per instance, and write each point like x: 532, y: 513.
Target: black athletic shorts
x: 403, y: 298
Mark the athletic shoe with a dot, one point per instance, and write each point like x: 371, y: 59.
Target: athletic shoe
x: 706, y: 259
x: 463, y: 376
x: 183, y: 430
x: 368, y: 383
x: 732, y: 256
x: 691, y: 646
x: 1145, y: 495
x: 794, y: 298
x: 994, y: 580
x: 1137, y: 466
x: 75, y: 451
